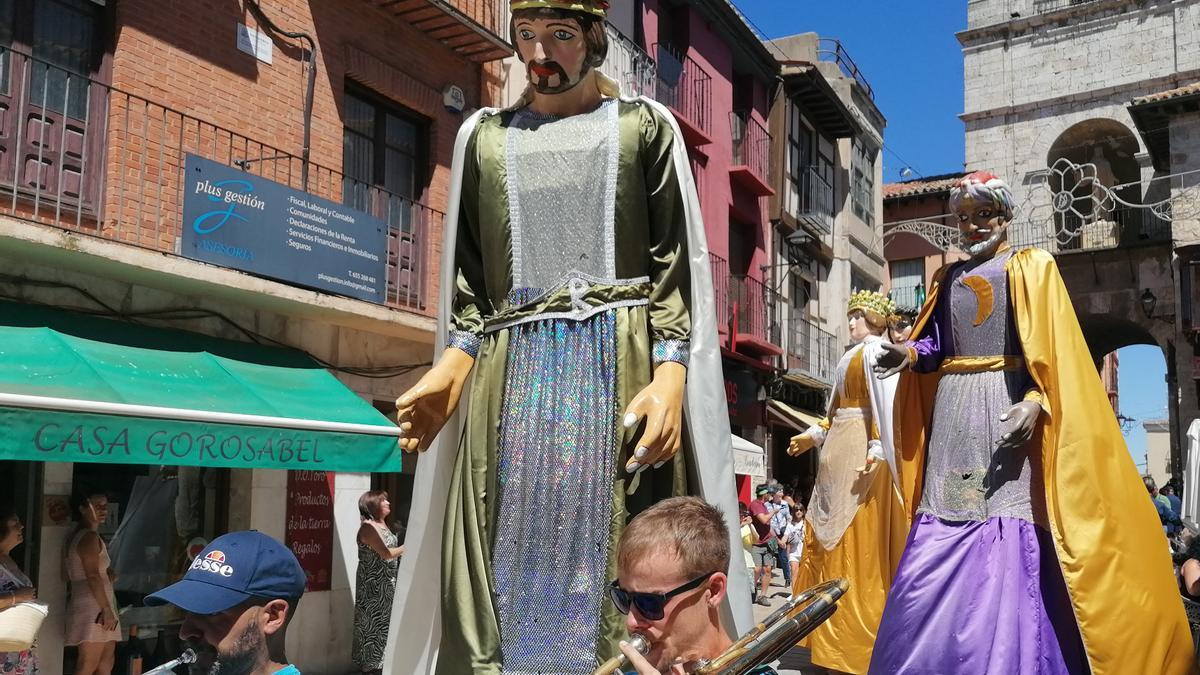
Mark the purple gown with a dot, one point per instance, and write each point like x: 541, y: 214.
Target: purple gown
x: 979, y: 589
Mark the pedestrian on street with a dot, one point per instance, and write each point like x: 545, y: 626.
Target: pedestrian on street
x: 793, y: 540
x: 765, y: 545
x: 781, y: 515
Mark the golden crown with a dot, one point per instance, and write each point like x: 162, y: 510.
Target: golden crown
x: 870, y: 301
x: 597, y: 7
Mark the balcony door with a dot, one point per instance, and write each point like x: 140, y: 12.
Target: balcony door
x: 52, y: 114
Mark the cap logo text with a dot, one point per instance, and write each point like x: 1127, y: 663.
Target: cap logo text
x: 213, y: 562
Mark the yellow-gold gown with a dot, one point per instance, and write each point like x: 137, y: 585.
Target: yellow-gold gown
x: 856, y: 522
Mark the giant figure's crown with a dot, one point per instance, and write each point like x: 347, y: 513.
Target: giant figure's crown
x: 872, y: 303
x: 596, y: 7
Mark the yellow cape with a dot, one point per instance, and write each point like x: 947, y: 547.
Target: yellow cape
x: 1106, y: 532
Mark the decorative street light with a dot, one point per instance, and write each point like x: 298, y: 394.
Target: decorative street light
x: 1148, y: 300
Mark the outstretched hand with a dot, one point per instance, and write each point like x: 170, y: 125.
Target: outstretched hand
x: 893, y: 359
x: 422, y: 411
x: 799, y: 444
x: 660, y: 403
x: 1021, y: 421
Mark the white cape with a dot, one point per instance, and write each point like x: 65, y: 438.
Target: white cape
x: 415, y: 632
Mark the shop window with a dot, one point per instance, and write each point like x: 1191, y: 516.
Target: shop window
x: 384, y: 158
x: 159, y: 518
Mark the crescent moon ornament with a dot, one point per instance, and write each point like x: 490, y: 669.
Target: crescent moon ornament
x: 984, y: 300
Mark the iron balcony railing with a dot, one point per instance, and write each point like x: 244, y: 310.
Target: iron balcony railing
x: 719, y: 268
x: 751, y: 145
x: 684, y: 85
x: 809, y: 349
x: 831, y: 50
x: 1045, y: 6
x: 1069, y: 232
x: 755, y: 309
x: 87, y: 157
x: 809, y: 198
x: 908, y: 297
x: 631, y: 67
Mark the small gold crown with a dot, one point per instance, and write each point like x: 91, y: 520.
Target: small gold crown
x: 596, y: 7
x: 872, y: 302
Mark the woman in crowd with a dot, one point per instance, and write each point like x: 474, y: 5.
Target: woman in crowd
x: 92, y: 623
x: 15, y: 587
x: 793, y: 539
x: 378, y: 557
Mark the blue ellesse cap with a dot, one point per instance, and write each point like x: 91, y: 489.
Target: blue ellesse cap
x: 232, y: 569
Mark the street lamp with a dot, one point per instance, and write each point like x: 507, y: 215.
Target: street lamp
x: 1148, y: 300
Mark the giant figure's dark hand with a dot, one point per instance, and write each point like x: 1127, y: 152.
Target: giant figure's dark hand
x: 1019, y: 423
x: 893, y: 359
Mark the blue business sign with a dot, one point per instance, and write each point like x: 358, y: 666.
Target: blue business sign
x: 238, y: 220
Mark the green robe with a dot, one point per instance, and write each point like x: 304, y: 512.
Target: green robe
x: 651, y: 241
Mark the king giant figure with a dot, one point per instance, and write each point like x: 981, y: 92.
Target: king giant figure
x: 1034, y: 548
x: 576, y: 313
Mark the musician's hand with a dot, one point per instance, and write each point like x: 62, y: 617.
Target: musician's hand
x: 661, y: 404
x: 643, y: 667
x: 893, y: 359
x: 423, y: 410
x: 1020, y: 422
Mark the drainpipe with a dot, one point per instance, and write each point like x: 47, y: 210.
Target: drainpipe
x: 306, y: 151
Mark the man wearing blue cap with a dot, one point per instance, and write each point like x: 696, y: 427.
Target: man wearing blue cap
x: 239, y: 595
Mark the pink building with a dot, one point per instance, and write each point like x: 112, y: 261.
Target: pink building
x: 716, y: 74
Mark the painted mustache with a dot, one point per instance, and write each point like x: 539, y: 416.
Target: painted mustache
x: 546, y: 69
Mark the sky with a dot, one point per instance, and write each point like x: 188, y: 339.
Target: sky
x: 910, y: 57
x: 913, y: 62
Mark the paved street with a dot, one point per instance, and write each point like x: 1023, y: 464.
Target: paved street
x: 795, y: 662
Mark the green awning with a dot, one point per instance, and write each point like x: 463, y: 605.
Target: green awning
x: 75, y: 388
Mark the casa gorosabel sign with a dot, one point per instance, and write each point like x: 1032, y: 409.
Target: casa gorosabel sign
x: 235, y: 219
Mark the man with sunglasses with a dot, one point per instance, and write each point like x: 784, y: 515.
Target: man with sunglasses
x: 672, y: 562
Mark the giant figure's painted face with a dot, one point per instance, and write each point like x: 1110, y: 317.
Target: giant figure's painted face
x: 554, y: 52
x: 982, y: 227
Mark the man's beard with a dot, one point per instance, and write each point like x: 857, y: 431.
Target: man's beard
x: 248, y: 652
x: 541, y: 83
x: 987, y: 245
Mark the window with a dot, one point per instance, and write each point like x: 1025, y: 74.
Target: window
x: 861, y: 282
x: 863, y: 181
x: 63, y: 37
x: 907, y: 283
x: 799, y: 158
x: 383, y: 158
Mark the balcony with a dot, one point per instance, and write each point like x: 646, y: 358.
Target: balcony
x: 631, y: 67
x: 908, y: 297
x: 755, y: 327
x: 476, y: 29
x: 751, y: 154
x: 84, y: 157
x: 810, y: 352
x: 808, y: 197
x: 686, y: 87
x: 832, y: 51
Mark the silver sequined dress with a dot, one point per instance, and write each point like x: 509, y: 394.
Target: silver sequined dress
x: 966, y: 477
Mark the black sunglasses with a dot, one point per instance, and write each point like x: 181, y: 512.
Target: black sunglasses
x: 650, y: 605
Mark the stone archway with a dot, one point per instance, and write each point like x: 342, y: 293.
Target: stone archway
x: 1106, y: 333
x: 1110, y: 148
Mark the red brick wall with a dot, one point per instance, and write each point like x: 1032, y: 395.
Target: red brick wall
x: 206, y: 96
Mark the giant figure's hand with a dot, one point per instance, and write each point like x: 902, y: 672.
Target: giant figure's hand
x: 800, y: 444
x: 1020, y: 421
x: 661, y: 404
x: 893, y: 359
x: 423, y: 410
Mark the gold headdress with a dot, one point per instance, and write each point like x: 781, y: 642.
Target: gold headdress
x: 595, y: 7
x: 876, y: 306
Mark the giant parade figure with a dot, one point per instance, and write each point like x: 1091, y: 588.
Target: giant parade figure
x: 578, y: 329
x: 1034, y: 548
x: 856, y: 523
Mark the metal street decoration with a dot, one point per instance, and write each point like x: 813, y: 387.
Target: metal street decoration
x: 1067, y: 208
